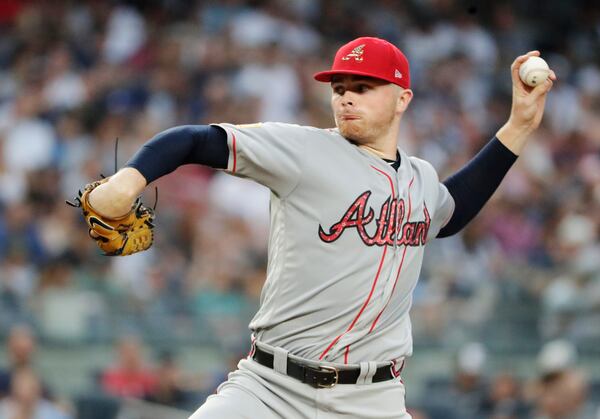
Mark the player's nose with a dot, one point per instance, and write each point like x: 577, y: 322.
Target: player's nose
x: 348, y: 99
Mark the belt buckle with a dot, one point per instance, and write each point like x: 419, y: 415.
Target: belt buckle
x: 336, y: 376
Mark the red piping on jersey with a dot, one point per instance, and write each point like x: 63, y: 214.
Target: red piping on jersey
x: 234, y: 153
x: 401, y: 262
x: 396, y: 371
x: 252, y: 347
x: 366, y: 303
x: 362, y: 308
x: 389, y: 179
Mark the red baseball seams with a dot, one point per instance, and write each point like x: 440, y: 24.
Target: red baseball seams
x: 366, y: 303
x: 234, y: 153
x: 401, y: 262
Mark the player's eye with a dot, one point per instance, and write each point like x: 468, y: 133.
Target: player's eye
x: 361, y: 88
x: 339, y: 90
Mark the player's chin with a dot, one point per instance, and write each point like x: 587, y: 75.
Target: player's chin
x: 351, y: 130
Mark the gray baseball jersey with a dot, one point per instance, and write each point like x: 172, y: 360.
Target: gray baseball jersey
x: 346, y: 240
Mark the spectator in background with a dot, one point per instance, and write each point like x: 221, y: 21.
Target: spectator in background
x: 129, y: 376
x: 563, y: 396
x: 463, y: 395
x: 25, y: 400
x: 20, y: 349
x: 561, y: 391
x: 418, y: 414
x: 470, y: 386
x: 169, y: 389
x: 504, y: 399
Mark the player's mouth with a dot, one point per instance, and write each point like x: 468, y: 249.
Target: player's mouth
x: 349, y: 117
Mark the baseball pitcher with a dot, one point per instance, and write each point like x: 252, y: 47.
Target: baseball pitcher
x: 351, y: 214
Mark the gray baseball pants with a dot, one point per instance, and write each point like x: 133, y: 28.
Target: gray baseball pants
x: 254, y: 391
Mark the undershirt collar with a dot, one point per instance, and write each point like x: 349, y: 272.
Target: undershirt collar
x: 395, y: 164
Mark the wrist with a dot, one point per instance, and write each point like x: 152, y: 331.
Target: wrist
x: 127, y: 184
x: 114, y: 198
x: 513, y: 136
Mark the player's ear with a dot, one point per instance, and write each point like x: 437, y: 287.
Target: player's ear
x: 404, y: 98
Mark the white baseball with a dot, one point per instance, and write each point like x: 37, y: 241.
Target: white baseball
x: 534, y: 71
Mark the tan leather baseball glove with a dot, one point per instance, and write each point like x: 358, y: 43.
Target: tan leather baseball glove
x: 121, y: 236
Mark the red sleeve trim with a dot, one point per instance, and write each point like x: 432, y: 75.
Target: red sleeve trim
x: 234, y: 147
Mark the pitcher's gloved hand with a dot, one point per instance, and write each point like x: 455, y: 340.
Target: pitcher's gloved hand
x: 131, y: 233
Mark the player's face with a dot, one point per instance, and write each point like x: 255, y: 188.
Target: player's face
x: 365, y: 108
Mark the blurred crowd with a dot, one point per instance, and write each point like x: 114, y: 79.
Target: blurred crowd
x: 131, y: 374
x: 77, y: 75
x: 559, y: 389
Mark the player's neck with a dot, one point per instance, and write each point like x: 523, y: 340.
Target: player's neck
x: 384, y: 154
x: 385, y: 147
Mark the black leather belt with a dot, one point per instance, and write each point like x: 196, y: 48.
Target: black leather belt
x: 324, y: 376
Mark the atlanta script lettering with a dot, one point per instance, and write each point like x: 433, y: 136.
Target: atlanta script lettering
x: 391, y: 223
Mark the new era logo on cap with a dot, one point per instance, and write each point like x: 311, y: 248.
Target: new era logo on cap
x: 371, y: 57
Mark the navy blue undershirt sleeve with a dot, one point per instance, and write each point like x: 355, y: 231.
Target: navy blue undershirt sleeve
x: 474, y: 184
x: 186, y: 144
x: 471, y: 187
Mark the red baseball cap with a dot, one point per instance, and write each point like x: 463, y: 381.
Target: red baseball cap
x: 372, y: 57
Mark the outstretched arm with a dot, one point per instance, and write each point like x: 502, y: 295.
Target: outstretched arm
x: 161, y: 155
x: 473, y: 185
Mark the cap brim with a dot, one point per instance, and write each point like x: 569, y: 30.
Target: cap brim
x: 325, y: 76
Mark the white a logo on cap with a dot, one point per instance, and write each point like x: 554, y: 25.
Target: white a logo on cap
x: 356, y: 53
x: 398, y: 74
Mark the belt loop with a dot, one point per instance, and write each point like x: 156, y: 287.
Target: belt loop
x: 372, y: 371
x: 280, y: 357
x: 367, y: 371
